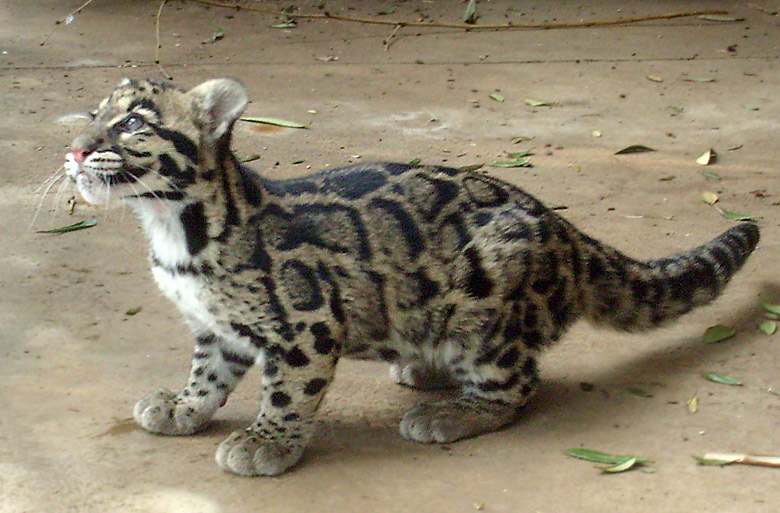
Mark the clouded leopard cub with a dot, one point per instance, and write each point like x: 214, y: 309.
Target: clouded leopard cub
x: 455, y: 278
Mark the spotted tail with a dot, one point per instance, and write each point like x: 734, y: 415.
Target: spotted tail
x: 633, y: 295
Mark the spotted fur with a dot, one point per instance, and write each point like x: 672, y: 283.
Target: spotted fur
x: 454, y: 277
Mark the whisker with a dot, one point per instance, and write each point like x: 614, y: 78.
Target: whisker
x: 51, y: 182
x: 54, y: 177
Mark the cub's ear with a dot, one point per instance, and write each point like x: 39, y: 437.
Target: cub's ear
x: 219, y: 103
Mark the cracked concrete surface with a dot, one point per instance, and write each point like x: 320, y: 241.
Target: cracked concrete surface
x: 72, y: 362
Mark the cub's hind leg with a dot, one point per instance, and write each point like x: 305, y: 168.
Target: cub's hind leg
x: 215, y: 372
x: 496, y: 377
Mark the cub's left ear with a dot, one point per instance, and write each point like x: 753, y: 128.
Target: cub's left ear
x: 219, y: 104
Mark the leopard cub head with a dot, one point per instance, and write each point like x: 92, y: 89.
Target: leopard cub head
x: 151, y: 141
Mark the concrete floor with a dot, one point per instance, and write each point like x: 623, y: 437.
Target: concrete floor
x: 72, y: 362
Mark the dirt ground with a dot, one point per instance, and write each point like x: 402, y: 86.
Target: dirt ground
x: 73, y: 361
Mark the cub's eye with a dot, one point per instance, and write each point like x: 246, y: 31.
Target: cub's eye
x: 132, y: 123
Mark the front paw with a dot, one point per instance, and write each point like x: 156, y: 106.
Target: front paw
x: 165, y: 413
x: 247, y: 454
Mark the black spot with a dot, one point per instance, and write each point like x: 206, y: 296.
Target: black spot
x: 296, y: 358
x: 238, y: 359
x: 198, y: 372
x: 314, y: 386
x: 271, y: 370
x: 126, y: 175
x: 162, y: 195
x: 477, y: 284
x: 529, y: 367
x: 387, y: 354
x: 280, y: 399
x: 250, y: 189
x: 508, y: 359
x: 290, y: 417
x: 493, y: 385
x: 205, y: 340
x: 323, y: 343
x: 132, y: 152
x: 195, y: 226
x: 533, y: 339
x: 211, y: 377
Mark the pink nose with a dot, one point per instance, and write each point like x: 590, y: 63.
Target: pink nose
x: 79, y: 154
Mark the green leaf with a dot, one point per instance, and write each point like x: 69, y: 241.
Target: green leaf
x: 216, y: 36
x: 723, y: 379
x: 537, y: 103
x: 601, y: 457
x: 717, y: 333
x: 621, y: 467
x: 520, y: 138
x: 415, y: 162
x: 298, y: 161
x: 273, y: 121
x: 634, y: 148
x: 470, y: 15
x: 710, y: 175
x: 768, y: 327
x: 751, y: 107
x: 249, y: 158
x: 285, y: 25
x: 638, y: 392
x: 384, y: 12
x: 133, y: 311
x: 734, y: 216
x: 699, y: 79
x: 711, y: 463
x: 769, y: 307
x: 81, y: 225
x: 521, y: 154
x: 524, y: 162
x: 472, y: 167
x: 497, y: 97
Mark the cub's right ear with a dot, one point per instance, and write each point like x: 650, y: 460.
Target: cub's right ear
x: 219, y: 103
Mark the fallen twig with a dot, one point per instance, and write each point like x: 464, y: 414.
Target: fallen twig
x: 744, y: 459
x: 64, y: 19
x: 157, y: 44
x: 466, y: 26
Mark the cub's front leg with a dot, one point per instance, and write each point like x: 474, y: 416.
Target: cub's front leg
x: 295, y: 378
x: 215, y: 372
